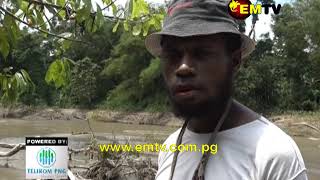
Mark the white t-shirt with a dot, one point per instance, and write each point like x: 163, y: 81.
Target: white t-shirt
x: 258, y: 150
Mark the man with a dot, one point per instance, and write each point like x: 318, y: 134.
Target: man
x: 201, y: 51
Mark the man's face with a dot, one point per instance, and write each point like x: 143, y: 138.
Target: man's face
x: 198, y: 74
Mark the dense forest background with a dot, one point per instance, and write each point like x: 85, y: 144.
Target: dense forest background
x: 115, y: 71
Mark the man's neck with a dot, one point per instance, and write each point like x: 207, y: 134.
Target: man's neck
x: 237, y: 115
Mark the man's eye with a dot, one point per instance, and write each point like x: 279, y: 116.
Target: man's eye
x: 170, y: 55
x: 203, y: 53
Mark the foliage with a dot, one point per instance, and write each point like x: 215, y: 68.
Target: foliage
x: 124, y: 69
x: 283, y: 73
x: 13, y: 86
x: 138, y: 83
x: 69, y: 20
x: 83, y: 83
x: 299, y: 51
x: 32, y: 53
x: 59, y: 73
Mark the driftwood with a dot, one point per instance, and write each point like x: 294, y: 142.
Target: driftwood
x: 73, y: 176
x: 14, y: 149
x: 121, y: 165
x: 303, y: 123
x: 79, y: 167
x: 306, y: 124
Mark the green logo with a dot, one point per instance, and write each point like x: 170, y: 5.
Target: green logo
x: 46, y: 157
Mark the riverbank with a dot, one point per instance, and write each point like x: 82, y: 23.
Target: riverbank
x: 105, y: 133
x: 305, y: 124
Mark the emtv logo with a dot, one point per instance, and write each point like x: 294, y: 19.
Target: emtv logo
x: 241, y: 9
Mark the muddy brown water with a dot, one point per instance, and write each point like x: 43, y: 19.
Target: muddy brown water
x: 14, y: 130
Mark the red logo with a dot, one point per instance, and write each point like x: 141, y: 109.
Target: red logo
x: 236, y: 8
x: 241, y: 9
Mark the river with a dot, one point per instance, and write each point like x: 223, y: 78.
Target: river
x: 14, y: 131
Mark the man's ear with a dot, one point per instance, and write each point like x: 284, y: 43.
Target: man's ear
x: 236, y: 61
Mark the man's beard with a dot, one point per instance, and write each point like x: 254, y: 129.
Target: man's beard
x: 213, y: 105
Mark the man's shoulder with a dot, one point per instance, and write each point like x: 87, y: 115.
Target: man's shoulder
x: 277, y: 155
x: 274, y: 139
x: 271, y: 141
x: 172, y: 138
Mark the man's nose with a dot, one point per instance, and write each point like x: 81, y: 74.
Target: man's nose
x: 185, y: 68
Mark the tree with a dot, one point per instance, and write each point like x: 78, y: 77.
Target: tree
x: 48, y: 17
x: 136, y: 76
x: 32, y: 53
x: 298, y: 45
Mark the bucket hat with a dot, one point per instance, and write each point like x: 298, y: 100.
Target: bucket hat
x: 195, y: 18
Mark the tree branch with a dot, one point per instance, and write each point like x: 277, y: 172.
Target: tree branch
x: 48, y: 20
x: 109, y: 5
x: 43, y: 31
x: 112, y: 18
x: 60, y: 7
x: 45, y: 4
x: 54, y: 14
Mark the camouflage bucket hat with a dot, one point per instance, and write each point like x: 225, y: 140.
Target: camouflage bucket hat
x: 198, y: 17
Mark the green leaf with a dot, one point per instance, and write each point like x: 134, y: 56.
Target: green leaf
x: 115, y: 27
x: 137, y: 29
x: 3, y: 82
x: 13, y: 86
x: 40, y: 20
x: 128, y: 8
x: 19, y: 82
x: 82, y: 14
x: 146, y: 27
x: 89, y: 25
x: 158, y: 21
x: 58, y: 73
x: 87, y: 3
x: 16, y: 3
x: 62, y: 14
x: 99, y: 17
x: 107, y: 2
x: 139, y: 8
x: 61, y: 2
x: 11, y: 29
x: 24, y: 6
x: 26, y: 76
x: 65, y: 44
x: 33, y: 19
x: 4, y: 46
x: 114, y: 9
x: 77, y: 4
x: 126, y: 25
